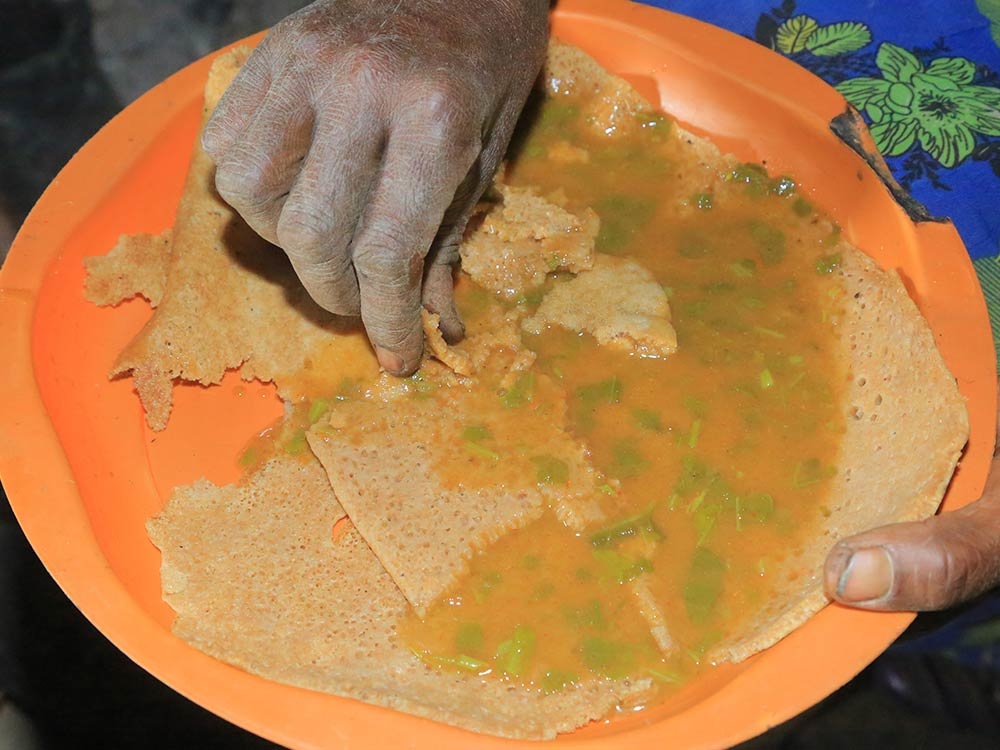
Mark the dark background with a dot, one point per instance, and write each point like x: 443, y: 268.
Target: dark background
x: 66, y: 67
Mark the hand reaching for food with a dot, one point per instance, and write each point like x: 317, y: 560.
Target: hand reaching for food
x: 358, y: 138
x: 925, y: 565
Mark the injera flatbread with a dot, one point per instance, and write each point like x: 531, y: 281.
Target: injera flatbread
x: 518, y: 241
x: 424, y: 500
x: 618, y: 302
x: 231, y: 299
x: 257, y: 580
x: 136, y: 265
x: 905, y: 427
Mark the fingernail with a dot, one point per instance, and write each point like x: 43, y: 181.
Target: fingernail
x: 390, y: 361
x: 867, y: 577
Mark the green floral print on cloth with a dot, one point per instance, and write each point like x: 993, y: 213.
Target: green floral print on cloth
x: 936, y: 105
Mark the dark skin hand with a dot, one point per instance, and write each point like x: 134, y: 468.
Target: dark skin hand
x: 358, y: 138
x: 922, y: 566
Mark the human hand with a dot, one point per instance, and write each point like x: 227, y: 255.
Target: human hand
x: 925, y: 565
x: 358, y: 138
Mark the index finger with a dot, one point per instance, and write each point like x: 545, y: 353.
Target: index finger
x: 429, y: 152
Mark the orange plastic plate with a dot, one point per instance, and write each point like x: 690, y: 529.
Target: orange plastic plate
x: 83, y: 473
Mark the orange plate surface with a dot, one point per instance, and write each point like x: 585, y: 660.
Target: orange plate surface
x: 83, y: 473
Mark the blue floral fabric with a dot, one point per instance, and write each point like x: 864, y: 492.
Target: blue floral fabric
x: 926, y: 76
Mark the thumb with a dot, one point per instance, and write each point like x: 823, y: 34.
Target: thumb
x: 924, y: 565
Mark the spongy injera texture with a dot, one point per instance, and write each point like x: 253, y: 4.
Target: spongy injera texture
x: 136, y: 265
x: 258, y: 580
x: 618, y: 301
x: 424, y: 502
x: 611, y: 103
x: 612, y: 108
x: 231, y: 299
x: 906, y: 424
x: 513, y: 245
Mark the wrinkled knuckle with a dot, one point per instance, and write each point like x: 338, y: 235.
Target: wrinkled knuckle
x: 448, y: 117
x: 302, y: 232
x: 241, y: 182
x: 946, y: 579
x: 216, y: 131
x: 954, y: 574
x: 386, y: 265
x: 441, y: 99
x: 366, y: 62
x: 302, y: 36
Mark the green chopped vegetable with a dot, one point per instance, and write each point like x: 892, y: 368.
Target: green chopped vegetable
x: 534, y: 296
x: 531, y: 562
x: 766, y: 379
x: 469, y: 638
x: 612, y: 659
x: 248, y: 457
x: 770, y: 242
x: 317, y: 409
x: 828, y: 263
x: 695, y: 474
x: 476, y: 433
x: 622, y: 216
x: 488, y: 581
x: 521, y: 393
x: 607, y: 489
x: 296, y: 443
x: 802, y: 207
x: 626, y: 460
x: 638, y: 525
x: 696, y: 501
x: 656, y: 126
x: 557, y: 680
x: 758, y: 507
x: 647, y: 419
x: 620, y: 568
x: 704, y: 585
x: 704, y: 521
x: 550, y: 470
x: 783, y: 186
x: 347, y: 390
x: 605, y: 392
x: 482, y: 451
x: 744, y: 269
x: 461, y: 661
x: 702, y: 200
x: 693, y: 435
x: 769, y: 332
x: 810, y: 472
x: 534, y: 151
x: 514, y: 654
x: 422, y: 388
x: 754, y: 176
x: 557, y: 115
x: 665, y: 676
